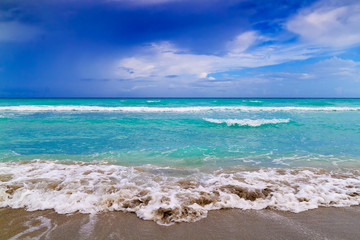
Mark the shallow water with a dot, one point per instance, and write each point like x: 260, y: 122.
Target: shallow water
x: 173, y: 160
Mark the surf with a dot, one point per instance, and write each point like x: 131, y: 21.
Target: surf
x: 168, y: 195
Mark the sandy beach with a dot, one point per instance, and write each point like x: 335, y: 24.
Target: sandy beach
x: 322, y: 223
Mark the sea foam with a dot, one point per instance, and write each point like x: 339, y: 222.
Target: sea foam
x: 83, y: 108
x: 169, y: 195
x: 247, y: 122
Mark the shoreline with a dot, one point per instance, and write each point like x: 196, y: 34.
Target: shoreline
x: 321, y: 223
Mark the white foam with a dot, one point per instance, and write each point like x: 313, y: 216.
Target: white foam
x: 82, y: 108
x: 164, y: 195
x: 45, y: 223
x: 247, y: 122
x: 88, y: 228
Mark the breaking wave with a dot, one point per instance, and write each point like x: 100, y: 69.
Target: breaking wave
x: 67, y: 108
x: 247, y: 122
x: 169, y: 195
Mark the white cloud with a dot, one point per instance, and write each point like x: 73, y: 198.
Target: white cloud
x: 329, y: 70
x: 336, y: 69
x: 163, y: 59
x: 14, y: 31
x: 243, y: 42
x: 328, y: 23
x: 159, y: 60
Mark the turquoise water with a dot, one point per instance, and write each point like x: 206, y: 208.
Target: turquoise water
x: 173, y: 160
x: 322, y: 137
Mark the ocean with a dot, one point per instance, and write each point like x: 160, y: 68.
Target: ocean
x: 174, y: 160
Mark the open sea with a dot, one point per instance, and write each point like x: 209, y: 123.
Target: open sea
x: 173, y: 160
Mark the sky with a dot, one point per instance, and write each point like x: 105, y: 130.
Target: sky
x: 179, y: 48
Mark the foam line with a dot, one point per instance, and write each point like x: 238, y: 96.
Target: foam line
x: 154, y: 193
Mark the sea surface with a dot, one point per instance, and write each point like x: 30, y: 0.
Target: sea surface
x: 173, y: 160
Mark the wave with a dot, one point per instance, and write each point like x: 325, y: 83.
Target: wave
x: 68, y: 108
x: 247, y: 122
x: 169, y: 195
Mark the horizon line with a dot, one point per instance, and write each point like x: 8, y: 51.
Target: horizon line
x: 179, y: 97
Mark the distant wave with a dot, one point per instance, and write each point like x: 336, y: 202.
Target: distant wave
x: 158, y: 194
x: 247, y: 122
x: 82, y: 108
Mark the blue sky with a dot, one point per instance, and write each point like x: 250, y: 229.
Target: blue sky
x: 174, y: 48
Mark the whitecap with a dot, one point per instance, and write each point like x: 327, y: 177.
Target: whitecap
x: 247, y: 122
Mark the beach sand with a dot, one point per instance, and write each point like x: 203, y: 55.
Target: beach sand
x: 322, y: 223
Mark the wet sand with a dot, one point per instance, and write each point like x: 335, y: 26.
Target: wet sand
x: 323, y: 223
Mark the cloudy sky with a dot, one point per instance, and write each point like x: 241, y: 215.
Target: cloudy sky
x: 179, y: 48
